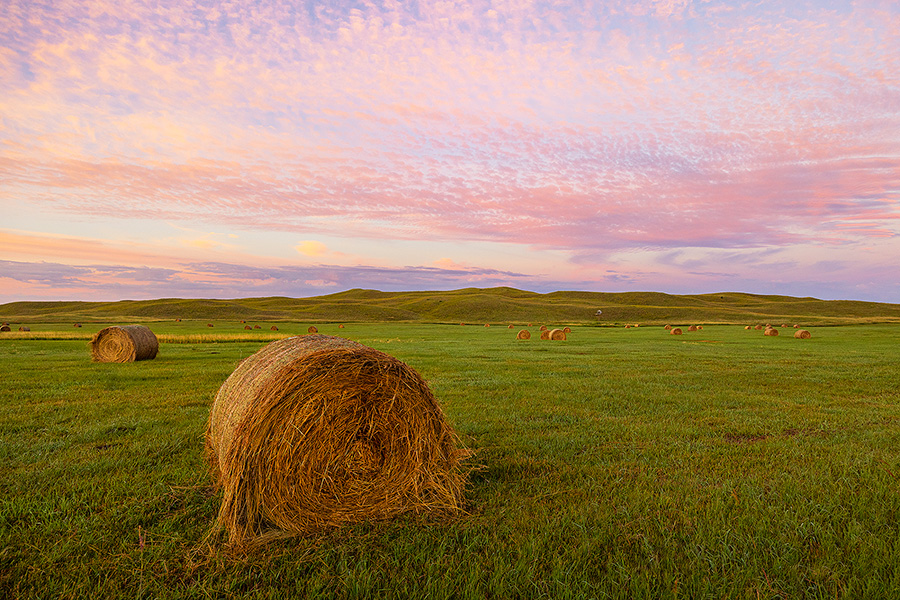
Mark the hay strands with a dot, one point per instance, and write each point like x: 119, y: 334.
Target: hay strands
x: 124, y: 344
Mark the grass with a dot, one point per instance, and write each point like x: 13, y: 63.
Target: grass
x: 618, y: 464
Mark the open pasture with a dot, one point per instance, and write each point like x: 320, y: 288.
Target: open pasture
x: 618, y: 463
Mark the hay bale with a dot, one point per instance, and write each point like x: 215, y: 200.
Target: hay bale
x: 692, y: 328
x: 667, y: 327
x: 340, y: 326
x: 567, y: 330
x: 802, y: 334
x: 24, y: 328
x: 510, y: 327
x: 316, y: 431
x: 487, y: 324
x: 543, y: 328
x: 5, y: 328
x: 796, y: 326
x: 209, y: 324
x: 545, y: 335
x: 747, y: 327
x: 312, y: 329
x: 558, y: 334
x: 758, y: 327
x: 771, y: 331
x: 77, y: 325
x: 523, y: 335
x: 124, y: 344
x: 257, y: 327
x: 628, y: 327
x: 274, y: 328
x: 676, y: 331
x: 248, y: 327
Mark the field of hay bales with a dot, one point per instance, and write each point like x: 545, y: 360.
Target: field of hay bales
x: 616, y: 463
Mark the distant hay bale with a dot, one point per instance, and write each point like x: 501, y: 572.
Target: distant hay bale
x: 523, y: 335
x: 178, y: 320
x: 758, y: 327
x: 676, y: 331
x: 274, y: 328
x: 24, y: 328
x: 340, y: 326
x: 796, y: 326
x: 124, y: 344
x: 558, y: 334
x: 747, y: 327
x: 317, y: 431
x: 543, y: 328
x: 510, y: 327
x: 802, y: 334
x: 637, y: 324
x: 77, y: 325
x: 257, y: 327
x: 209, y: 324
x: 784, y: 326
x: 248, y: 327
x: 312, y: 329
x: 487, y: 324
x: 699, y: 327
x: 5, y: 328
x: 567, y: 330
x: 771, y: 331
x: 628, y: 327
x: 667, y: 327
x: 692, y: 328
x: 243, y: 321
x: 545, y: 335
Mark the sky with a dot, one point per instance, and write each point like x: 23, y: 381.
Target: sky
x: 194, y: 149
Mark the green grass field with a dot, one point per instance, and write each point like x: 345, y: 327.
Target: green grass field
x: 621, y: 463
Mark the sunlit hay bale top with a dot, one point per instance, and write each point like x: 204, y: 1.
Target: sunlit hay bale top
x: 545, y: 334
x: 558, y: 334
x: 315, y: 431
x: 567, y: 330
x: 5, y: 328
x: 802, y: 334
x: 523, y: 335
x: 543, y: 328
x: 692, y: 328
x: 124, y: 344
x: 312, y: 329
x: 771, y: 331
x: 667, y: 327
x: 676, y: 331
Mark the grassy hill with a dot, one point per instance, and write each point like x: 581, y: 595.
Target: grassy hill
x: 473, y: 305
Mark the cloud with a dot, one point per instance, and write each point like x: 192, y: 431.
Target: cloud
x: 311, y: 248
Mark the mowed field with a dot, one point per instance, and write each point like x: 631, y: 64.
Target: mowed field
x: 620, y: 463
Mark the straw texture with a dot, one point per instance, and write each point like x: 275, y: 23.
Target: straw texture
x: 315, y: 431
x: 124, y: 344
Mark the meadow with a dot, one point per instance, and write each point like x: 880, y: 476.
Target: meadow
x: 620, y: 463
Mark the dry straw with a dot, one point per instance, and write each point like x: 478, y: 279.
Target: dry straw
x: 802, y: 334
x: 5, y: 328
x: 316, y: 431
x: 543, y: 328
x: 24, y: 328
x: 567, y: 330
x: 667, y: 327
x: 312, y: 329
x: 771, y: 331
x: 558, y: 334
x: 523, y: 335
x: 124, y: 344
x: 676, y: 331
x: 692, y: 328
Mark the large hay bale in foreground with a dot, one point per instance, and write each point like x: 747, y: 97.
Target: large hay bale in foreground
x: 676, y: 331
x: 802, y: 334
x: 558, y: 334
x: 523, y: 335
x: 315, y: 431
x: 124, y: 344
x: 545, y: 334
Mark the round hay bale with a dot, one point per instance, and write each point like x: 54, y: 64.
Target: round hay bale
x: 243, y: 321
x: 24, y: 328
x: 248, y: 327
x: 796, y: 326
x: 316, y: 431
x: 567, y: 330
x: 771, y: 331
x: 758, y: 327
x: 667, y: 327
x: 510, y: 327
x: 487, y: 324
x: 257, y: 327
x: 628, y: 327
x: 340, y: 326
x: 747, y: 327
x: 543, y: 328
x: 545, y: 335
x: 523, y: 335
x: 558, y: 334
x: 124, y: 344
x: 178, y: 320
x: 802, y: 334
x: 784, y: 326
x: 77, y: 325
x: 699, y: 327
x: 312, y: 329
x: 274, y: 328
x: 209, y: 324
x: 5, y: 328
x: 692, y: 328
x: 676, y: 331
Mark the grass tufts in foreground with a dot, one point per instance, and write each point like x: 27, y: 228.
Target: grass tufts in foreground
x: 619, y: 464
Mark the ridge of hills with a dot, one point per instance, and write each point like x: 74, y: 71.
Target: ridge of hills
x: 474, y: 305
